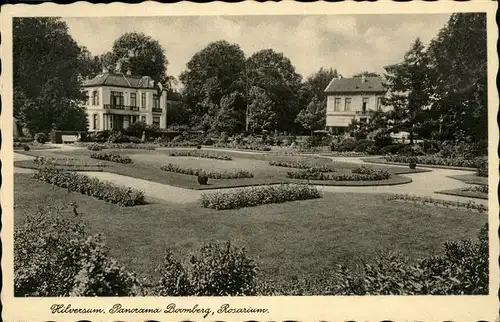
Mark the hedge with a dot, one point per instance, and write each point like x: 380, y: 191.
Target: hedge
x: 198, y: 154
x: 302, y: 165
x: 238, y: 174
x: 435, y: 160
x: 113, y: 157
x: 258, y: 196
x: 94, y: 187
x: 359, y: 174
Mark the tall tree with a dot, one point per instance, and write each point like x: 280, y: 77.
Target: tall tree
x: 215, y: 72
x: 47, y: 73
x: 261, y: 114
x: 366, y: 73
x: 314, y: 116
x: 458, y: 57
x: 274, y: 73
x: 141, y: 55
x: 408, y: 88
x: 315, y: 84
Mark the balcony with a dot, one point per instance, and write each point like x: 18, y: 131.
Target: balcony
x: 157, y: 110
x: 361, y: 112
x: 121, y: 107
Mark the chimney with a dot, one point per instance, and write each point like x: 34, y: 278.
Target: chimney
x: 363, y: 79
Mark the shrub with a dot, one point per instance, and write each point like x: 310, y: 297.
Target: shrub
x: 392, y: 149
x: 217, y: 269
x: 364, y: 146
x: 94, y: 147
x: 23, y: 139
x: 41, y: 138
x: 435, y: 160
x: 202, y: 178
x: 359, y: 174
x: 382, y: 139
x: 224, y: 138
x: 482, y: 168
x: 208, y: 141
x: 53, y: 256
x: 26, y: 147
x: 94, y: 187
x: 199, y: 154
x: 237, y: 174
x: 302, y: 165
x: 134, y: 139
x: 113, y: 157
x: 481, y: 188
x: 412, y: 165
x: 251, y: 197
x: 129, y: 146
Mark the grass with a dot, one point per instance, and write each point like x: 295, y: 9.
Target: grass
x: 471, y: 179
x: 380, y: 160
x: 146, y: 165
x: 464, y: 192
x: 289, y: 239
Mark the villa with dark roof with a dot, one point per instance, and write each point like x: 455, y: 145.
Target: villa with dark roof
x: 116, y: 100
x: 352, y: 98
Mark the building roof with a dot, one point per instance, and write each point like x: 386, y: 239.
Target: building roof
x: 120, y: 80
x: 356, y: 85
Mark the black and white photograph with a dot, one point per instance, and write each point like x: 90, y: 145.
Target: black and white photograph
x: 249, y: 156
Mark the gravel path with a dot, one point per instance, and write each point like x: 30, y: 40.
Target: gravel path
x: 424, y: 184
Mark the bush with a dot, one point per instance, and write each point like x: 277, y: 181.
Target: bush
x: 382, y: 139
x: 258, y: 196
x: 237, y: 174
x: 113, y: 157
x: 302, y: 165
x: 202, y: 178
x: 53, y: 256
x: 217, y: 269
x: 224, y: 138
x: 118, y: 137
x: 208, y: 141
x: 94, y: 187
x: 435, y: 160
x: 94, y: 147
x: 134, y: 139
x: 430, y: 146
x: 199, y: 154
x: 41, y: 138
x: 392, y: 149
x: 26, y: 147
x: 364, y: 146
x: 358, y: 174
x: 482, y: 168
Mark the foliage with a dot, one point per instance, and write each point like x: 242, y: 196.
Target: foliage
x: 46, y: 75
x: 250, y: 197
x: 244, y: 146
x: 41, y: 138
x: 202, y: 178
x: 358, y: 174
x: 313, y: 117
x: 480, y: 188
x: 446, y: 203
x: 94, y: 147
x: 235, y: 174
x: 217, y: 269
x: 94, y: 187
x: 198, y: 154
x: 392, y: 149
x: 435, y: 160
x: 408, y: 86
x: 261, y: 111
x: 482, y: 169
x: 136, y: 129
x: 315, y: 84
x: 302, y: 165
x: 113, y: 157
x: 26, y: 147
x: 53, y: 256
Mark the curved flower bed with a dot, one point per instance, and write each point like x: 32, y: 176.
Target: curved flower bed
x: 94, y: 187
x: 358, y: 174
x: 40, y: 161
x: 438, y: 202
x: 258, y: 196
x: 113, y: 157
x: 435, y: 160
x: 238, y: 174
x: 302, y: 165
x: 198, y: 154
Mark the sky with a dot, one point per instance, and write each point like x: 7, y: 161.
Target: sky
x: 348, y: 43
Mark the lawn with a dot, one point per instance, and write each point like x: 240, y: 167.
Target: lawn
x: 465, y: 193
x: 471, y: 179
x: 290, y: 239
x: 147, y: 166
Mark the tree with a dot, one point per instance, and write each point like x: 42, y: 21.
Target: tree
x: 275, y: 74
x: 314, y: 116
x: 47, y: 74
x: 215, y: 72
x: 90, y: 65
x: 315, y: 84
x: 141, y: 55
x: 366, y: 74
x: 262, y: 115
x: 408, y: 88
x: 458, y: 58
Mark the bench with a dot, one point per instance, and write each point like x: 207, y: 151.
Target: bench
x: 69, y: 138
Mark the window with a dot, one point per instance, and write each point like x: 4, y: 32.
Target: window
x: 143, y: 100
x: 95, y: 98
x: 85, y: 97
x: 379, y: 103
x: 347, y: 104
x: 116, y: 99
x: 365, y: 103
x: 156, y: 120
x: 95, y: 123
x: 143, y: 118
x: 337, y: 104
x: 133, y: 99
x: 156, y: 101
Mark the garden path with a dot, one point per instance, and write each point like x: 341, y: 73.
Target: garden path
x: 424, y: 184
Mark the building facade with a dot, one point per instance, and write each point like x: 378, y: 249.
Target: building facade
x: 352, y: 98
x: 114, y: 101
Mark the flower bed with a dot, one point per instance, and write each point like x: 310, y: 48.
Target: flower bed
x: 113, y: 157
x: 437, y: 202
x: 358, y: 174
x: 258, y: 196
x: 253, y: 147
x: 302, y: 165
x: 435, y: 160
x: 198, y: 154
x: 99, y: 147
x: 238, y: 174
x: 64, y: 162
x: 94, y: 187
x: 481, y: 189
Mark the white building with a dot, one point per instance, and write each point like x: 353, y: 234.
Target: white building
x: 115, y: 100
x: 352, y: 98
